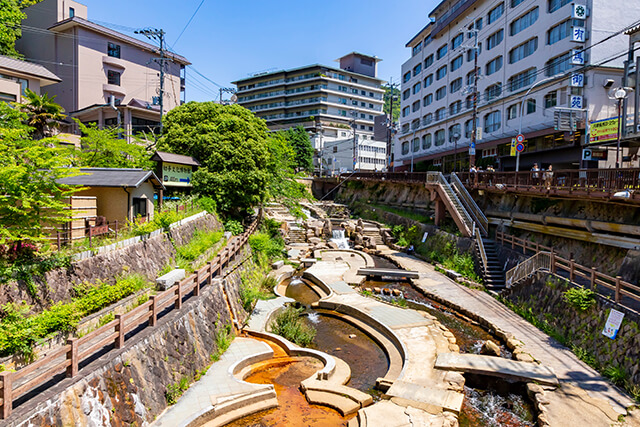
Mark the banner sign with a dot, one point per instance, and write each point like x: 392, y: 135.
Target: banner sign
x: 603, y: 130
x: 614, y: 321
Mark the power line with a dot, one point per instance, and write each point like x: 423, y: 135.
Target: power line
x: 189, y: 22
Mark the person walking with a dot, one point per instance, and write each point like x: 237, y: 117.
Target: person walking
x: 535, y: 174
x: 548, y: 177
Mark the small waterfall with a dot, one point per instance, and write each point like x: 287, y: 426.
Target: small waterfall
x: 339, y: 239
x: 295, y: 280
x: 313, y: 317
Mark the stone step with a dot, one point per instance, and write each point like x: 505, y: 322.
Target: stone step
x: 342, y: 404
x: 425, y: 397
x: 229, y: 411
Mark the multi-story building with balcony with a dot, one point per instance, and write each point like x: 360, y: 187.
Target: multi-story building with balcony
x: 97, y: 64
x: 553, y: 55
x: 329, y: 102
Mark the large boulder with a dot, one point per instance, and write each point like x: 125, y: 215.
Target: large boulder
x: 489, y: 348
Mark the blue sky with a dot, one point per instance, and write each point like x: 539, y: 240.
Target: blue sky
x: 229, y: 40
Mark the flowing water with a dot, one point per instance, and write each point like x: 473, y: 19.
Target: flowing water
x: 300, y: 291
x: 337, y: 236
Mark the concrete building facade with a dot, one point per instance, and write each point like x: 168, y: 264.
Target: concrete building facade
x: 107, y: 77
x: 556, y: 52
x: 329, y: 102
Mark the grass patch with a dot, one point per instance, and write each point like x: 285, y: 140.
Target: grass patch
x: 19, y: 332
x: 415, y: 216
x: 224, y: 337
x: 289, y: 324
x: 199, y: 244
x: 174, y: 391
x: 254, y: 285
x: 463, y: 264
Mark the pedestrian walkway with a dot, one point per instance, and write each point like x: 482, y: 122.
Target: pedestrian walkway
x: 584, y: 397
x: 217, y: 383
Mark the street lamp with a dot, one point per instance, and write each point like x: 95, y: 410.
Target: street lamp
x: 522, y: 112
x: 620, y: 94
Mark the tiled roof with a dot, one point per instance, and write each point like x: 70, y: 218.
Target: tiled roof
x: 111, y: 177
x: 175, y: 158
x: 26, y: 67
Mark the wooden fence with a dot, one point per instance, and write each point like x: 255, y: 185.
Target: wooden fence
x: 70, y: 356
x: 614, y: 287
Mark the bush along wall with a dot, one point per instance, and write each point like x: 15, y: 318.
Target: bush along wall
x: 576, y: 317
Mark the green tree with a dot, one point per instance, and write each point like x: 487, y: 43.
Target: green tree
x: 299, y: 141
x: 42, y: 113
x: 103, y: 148
x: 388, y: 93
x: 11, y: 17
x: 231, y: 145
x: 30, y: 197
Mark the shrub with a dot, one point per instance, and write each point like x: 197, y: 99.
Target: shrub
x: 580, y: 298
x: 199, y: 244
x: 224, y: 337
x: 263, y: 242
x: 234, y: 227
x: 616, y: 374
x: 291, y: 326
x: 208, y: 204
x: 463, y: 264
x: 254, y: 287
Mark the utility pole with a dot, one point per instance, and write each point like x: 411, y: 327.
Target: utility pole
x: 472, y: 147
x: 226, y: 90
x: 155, y: 34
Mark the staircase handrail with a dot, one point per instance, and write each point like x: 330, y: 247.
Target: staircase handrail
x: 483, y: 253
x: 470, y: 204
x: 438, y: 178
x: 538, y: 262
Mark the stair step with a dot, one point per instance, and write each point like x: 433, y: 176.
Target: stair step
x: 342, y: 404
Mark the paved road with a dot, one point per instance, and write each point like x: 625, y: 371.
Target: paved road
x: 584, y: 398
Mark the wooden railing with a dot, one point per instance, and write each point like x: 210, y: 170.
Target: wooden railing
x: 68, y: 357
x: 623, y: 293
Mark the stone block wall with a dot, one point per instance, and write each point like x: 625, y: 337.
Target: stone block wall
x: 543, y: 294
x: 146, y: 257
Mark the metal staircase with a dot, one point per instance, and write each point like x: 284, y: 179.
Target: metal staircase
x: 460, y: 215
x: 470, y: 205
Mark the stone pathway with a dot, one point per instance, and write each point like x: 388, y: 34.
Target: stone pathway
x: 217, y: 382
x: 263, y: 311
x: 584, y: 397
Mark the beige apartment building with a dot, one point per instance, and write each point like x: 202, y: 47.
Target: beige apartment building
x: 107, y: 77
x: 331, y: 103
x: 560, y: 57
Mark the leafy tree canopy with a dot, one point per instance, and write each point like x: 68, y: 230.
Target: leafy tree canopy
x: 298, y: 140
x: 231, y: 145
x: 30, y: 197
x: 11, y: 17
x: 102, y: 148
x: 42, y: 113
x: 388, y: 93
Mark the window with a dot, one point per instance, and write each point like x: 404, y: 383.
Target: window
x: 525, y: 21
x: 416, y: 88
x: 468, y: 128
x: 493, y: 91
x: 343, y: 113
x: 558, y: 65
x: 455, y: 85
x: 439, y: 137
x: 426, y: 141
x: 515, y: 3
x: 457, y: 41
x: 417, y: 69
x: 495, y: 39
x: 512, y: 111
x: 427, y: 119
x: 441, y: 113
x: 406, y: 94
x: 354, y: 102
x: 363, y: 104
x: 370, y: 105
x: 470, y: 77
x: 440, y: 53
x: 7, y: 97
x: 416, y: 106
x: 406, y: 77
x: 113, y: 78
x: 522, y: 51
x: 72, y: 12
x: 469, y: 101
x: 416, y: 49
x: 362, y: 92
x: 456, y: 63
x: 355, y: 91
x: 429, y: 61
x: 559, y: 32
x: 441, y: 93
x: 428, y: 80
x: 492, y: 122
x: 442, y: 71
x: 523, y: 79
x: 342, y: 101
x: 531, y: 106
x: 342, y: 88
x: 139, y: 206
x: 371, y: 94
x: 406, y: 111
x: 478, y: 24
x: 427, y: 100
x: 471, y: 52
x: 416, y: 144
x: 454, y: 132
x: 455, y: 107
x: 494, y: 65
x: 557, y: 4
x: 551, y: 99
x: 363, y: 116
x: 113, y: 50
x: 405, y: 147
x: 495, y: 13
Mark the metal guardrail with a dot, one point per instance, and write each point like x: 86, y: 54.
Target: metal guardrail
x: 538, y: 262
x: 67, y: 358
x: 483, y: 254
x: 470, y: 204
